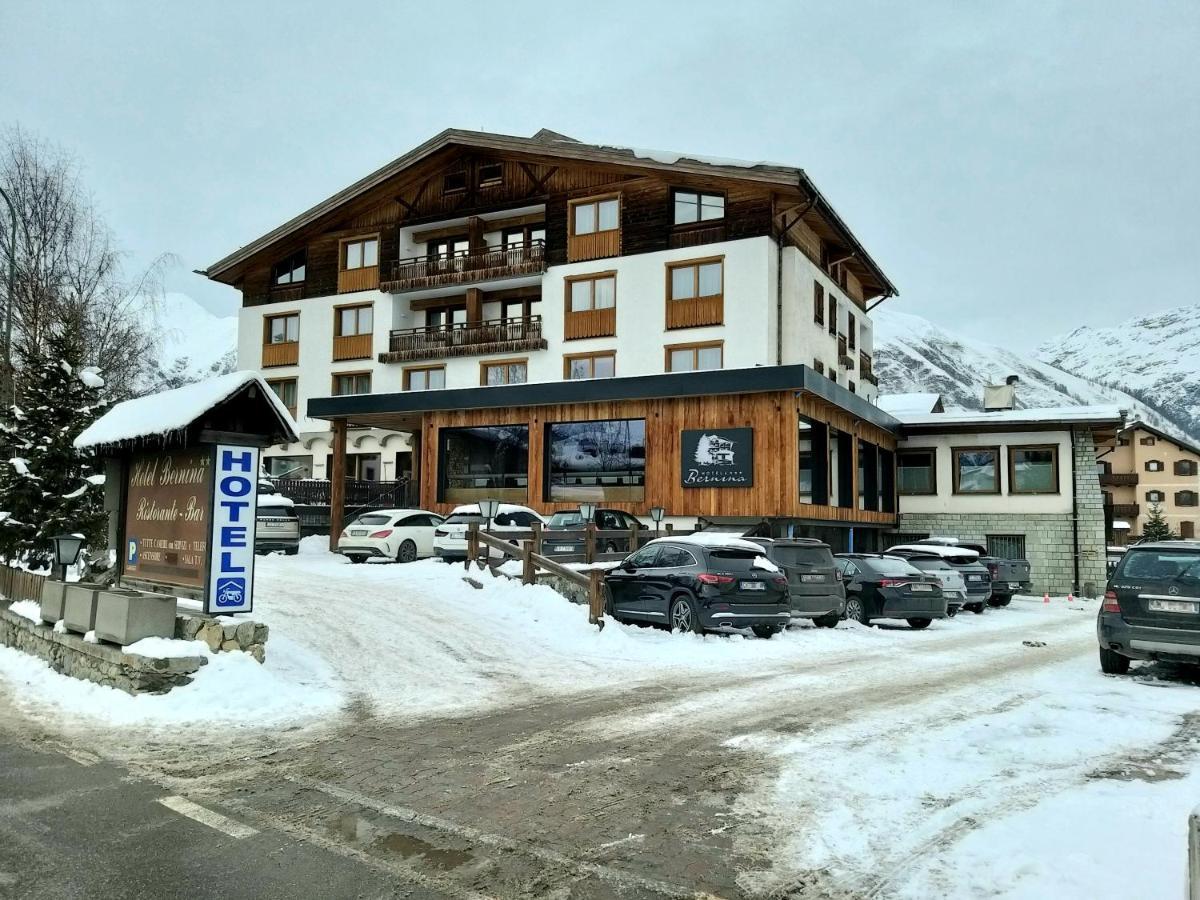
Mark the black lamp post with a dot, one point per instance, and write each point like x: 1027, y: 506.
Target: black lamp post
x: 587, y: 511
x: 657, y: 513
x: 66, y: 552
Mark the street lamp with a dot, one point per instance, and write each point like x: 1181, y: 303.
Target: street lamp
x: 657, y: 513
x: 587, y: 511
x: 66, y: 551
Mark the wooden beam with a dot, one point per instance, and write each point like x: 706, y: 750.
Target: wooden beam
x: 474, y: 306
x: 337, y: 484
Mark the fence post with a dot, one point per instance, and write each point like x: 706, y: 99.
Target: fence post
x: 472, y: 544
x: 633, y: 538
x: 1194, y: 855
x: 589, y: 544
x: 670, y: 528
x: 528, y: 575
x: 537, y: 537
x: 596, y: 598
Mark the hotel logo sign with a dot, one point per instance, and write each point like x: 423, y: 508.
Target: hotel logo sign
x: 235, y: 497
x: 717, y: 457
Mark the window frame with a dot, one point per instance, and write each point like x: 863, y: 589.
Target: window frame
x: 1147, y: 441
x: 1161, y: 498
x: 406, y: 377
x: 932, y: 451
x: 699, y: 195
x: 489, y: 182
x: 356, y: 373
x: 343, y: 249
x: 695, y: 347
x: 595, y: 201
x: 954, y: 470
x: 631, y: 472
x: 357, y: 309
x: 295, y: 383
x: 302, y: 253
x: 818, y: 303
x: 1155, y: 462
x: 1189, y: 467
x: 695, y: 265
x: 592, y: 355
x: 267, y: 320
x: 484, y: 365
x: 1013, y: 449
x: 1192, y: 496
x: 571, y: 280
x: 450, y: 191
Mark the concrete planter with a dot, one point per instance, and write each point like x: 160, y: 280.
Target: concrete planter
x: 79, y: 607
x: 123, y: 617
x: 53, y: 596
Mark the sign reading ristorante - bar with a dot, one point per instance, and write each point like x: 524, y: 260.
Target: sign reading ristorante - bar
x: 717, y: 457
x: 168, y: 501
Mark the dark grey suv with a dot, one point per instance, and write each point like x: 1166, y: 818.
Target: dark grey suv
x: 814, y: 587
x: 1152, y: 607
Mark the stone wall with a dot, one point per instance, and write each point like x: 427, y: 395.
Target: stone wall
x: 244, y: 635
x: 104, y: 664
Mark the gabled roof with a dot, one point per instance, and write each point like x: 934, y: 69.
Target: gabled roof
x: 548, y: 143
x: 1139, y: 425
x: 900, y: 405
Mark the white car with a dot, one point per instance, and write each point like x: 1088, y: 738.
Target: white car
x: 450, y: 538
x: 399, y: 534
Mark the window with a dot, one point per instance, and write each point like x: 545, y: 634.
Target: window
x: 444, y: 248
x: 590, y: 365
x: 1185, y: 467
x: 1155, y: 496
x: 597, y: 460
x: 694, y: 281
x: 290, y: 270
x: 504, y: 371
x: 523, y: 236
x: 1187, y: 529
x: 490, y: 174
x: 360, y: 253
x: 695, y: 357
x: 425, y: 378
x: 646, y: 557
x: 593, y: 216
x: 445, y: 316
x: 1147, y: 441
x: 353, y: 320
x: 454, y: 182
x: 833, y: 313
x: 1033, y: 470
x: 359, y: 466
x: 976, y: 470
x: 1123, y: 441
x: 818, y: 367
x: 1006, y: 546
x: 851, y: 331
x: 283, y: 329
x: 675, y: 558
x: 348, y: 383
x: 514, y: 310
x: 818, y: 303
x: 852, y: 387
x: 916, y: 471
x: 1154, y: 465
x: 1187, y: 498
x: 285, y: 390
x: 482, y: 462
x: 288, y: 466
x: 691, y: 207
x: 592, y: 292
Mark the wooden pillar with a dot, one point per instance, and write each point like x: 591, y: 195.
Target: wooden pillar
x: 474, y: 306
x: 337, y: 483
x: 415, y: 448
x: 475, y: 233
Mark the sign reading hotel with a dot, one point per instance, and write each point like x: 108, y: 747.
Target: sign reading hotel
x: 717, y: 457
x: 235, y: 495
x: 167, y: 509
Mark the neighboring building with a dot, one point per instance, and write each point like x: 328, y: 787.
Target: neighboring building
x: 481, y: 259
x: 1148, y: 466
x: 1021, y: 481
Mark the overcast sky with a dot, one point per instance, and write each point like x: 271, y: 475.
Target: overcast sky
x: 1017, y: 169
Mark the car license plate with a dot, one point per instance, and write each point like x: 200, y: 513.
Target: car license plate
x: 563, y: 548
x: 753, y: 586
x: 974, y: 578
x: 358, y: 532
x: 812, y: 578
x: 1177, y: 606
x: 922, y: 587
x: 276, y: 524
x: 1014, y: 585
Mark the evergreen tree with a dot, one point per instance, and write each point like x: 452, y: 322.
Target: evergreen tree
x: 1156, y: 527
x: 47, y: 487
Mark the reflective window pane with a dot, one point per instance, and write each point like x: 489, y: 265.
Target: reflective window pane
x: 366, y: 320
x: 348, y: 321
x: 710, y: 279
x: 686, y: 208
x: 518, y: 373
x: 609, y: 218
x: 585, y: 218
x: 683, y: 283
x: 606, y: 293
x: 681, y: 360
x: 915, y: 472
x: 484, y: 462
x: 604, y: 366
x: 580, y: 368
x: 436, y: 379
x: 581, y: 296
x: 371, y: 253
x: 977, y: 472
x: 708, y: 358
x: 354, y: 255
x: 712, y: 207
x: 1033, y: 471
x: 598, y: 460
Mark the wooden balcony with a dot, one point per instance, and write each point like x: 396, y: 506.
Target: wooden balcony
x: 466, y: 267
x: 590, y: 323
x: 597, y: 245
x: 364, y: 279
x: 1118, y: 479
x: 1126, y: 510
x: 351, y: 346
x: 465, y: 339
x: 696, y: 312
x: 282, y: 354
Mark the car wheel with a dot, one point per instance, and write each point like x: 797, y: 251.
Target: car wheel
x: 407, y: 552
x: 829, y: 621
x: 357, y: 559
x: 918, y: 624
x: 951, y: 611
x: 995, y: 602
x: 1004, y: 601
x: 766, y: 632
x: 684, y: 616
x: 977, y: 608
x: 292, y: 551
x: 1112, y: 662
x: 856, y: 611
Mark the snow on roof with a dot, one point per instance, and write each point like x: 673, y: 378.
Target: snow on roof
x: 1120, y: 525
x: 672, y: 157
x: 900, y: 404
x: 472, y: 509
x: 275, y: 500
x: 945, y: 552
x: 159, y: 414
x: 1050, y: 414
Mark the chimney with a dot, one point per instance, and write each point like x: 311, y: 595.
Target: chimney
x: 998, y: 397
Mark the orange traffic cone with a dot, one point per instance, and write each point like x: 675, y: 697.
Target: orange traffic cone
x: 1046, y: 597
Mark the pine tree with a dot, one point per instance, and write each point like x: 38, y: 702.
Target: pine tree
x: 1156, y: 527
x: 47, y: 487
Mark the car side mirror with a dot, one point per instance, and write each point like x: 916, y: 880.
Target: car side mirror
x: 629, y: 566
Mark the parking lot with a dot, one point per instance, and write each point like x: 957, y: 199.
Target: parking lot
x: 490, y: 743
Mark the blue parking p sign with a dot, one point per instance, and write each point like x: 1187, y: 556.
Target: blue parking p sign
x: 231, y: 540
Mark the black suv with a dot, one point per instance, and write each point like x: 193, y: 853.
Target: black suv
x: 1152, y: 606
x: 700, y: 586
x: 879, y: 586
x: 813, y: 583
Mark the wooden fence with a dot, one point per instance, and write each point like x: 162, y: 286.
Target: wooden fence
x: 17, y: 584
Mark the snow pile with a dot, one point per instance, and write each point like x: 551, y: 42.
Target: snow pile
x: 174, y: 410
x: 27, y: 609
x: 167, y: 648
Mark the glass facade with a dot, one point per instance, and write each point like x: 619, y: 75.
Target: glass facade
x: 603, y: 460
x: 489, y: 461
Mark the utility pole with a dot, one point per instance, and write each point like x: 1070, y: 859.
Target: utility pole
x: 8, y: 393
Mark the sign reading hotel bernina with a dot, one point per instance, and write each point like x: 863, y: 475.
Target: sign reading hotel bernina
x: 717, y: 457
x: 235, y: 495
x: 167, y: 516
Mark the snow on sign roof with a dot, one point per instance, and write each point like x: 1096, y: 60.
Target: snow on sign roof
x: 158, y: 415
x: 1042, y: 416
x: 908, y: 404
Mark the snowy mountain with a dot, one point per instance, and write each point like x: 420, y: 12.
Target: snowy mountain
x: 1152, y: 357
x: 913, y: 354
x: 193, y: 343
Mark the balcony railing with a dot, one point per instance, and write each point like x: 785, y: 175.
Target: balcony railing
x: 1118, y: 479
x: 286, y: 353
x: 465, y: 339
x: 465, y: 267
x: 1126, y: 510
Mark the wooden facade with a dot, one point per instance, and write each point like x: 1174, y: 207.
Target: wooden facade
x: 774, y: 416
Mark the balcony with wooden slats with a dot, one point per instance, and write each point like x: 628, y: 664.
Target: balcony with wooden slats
x: 696, y: 311
x: 1118, y: 479
x: 465, y: 267
x: 465, y: 339
x: 351, y: 346
x: 1126, y: 510
x: 286, y: 353
x: 362, y: 279
x: 589, y: 323
x: 596, y: 245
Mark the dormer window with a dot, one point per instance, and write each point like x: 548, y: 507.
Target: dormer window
x: 454, y: 182
x: 290, y: 270
x: 692, y: 206
x: 491, y: 174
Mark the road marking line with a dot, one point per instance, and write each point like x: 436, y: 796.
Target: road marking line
x: 186, y: 807
x: 80, y: 756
